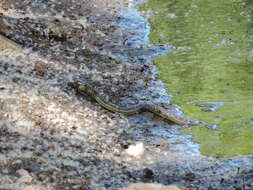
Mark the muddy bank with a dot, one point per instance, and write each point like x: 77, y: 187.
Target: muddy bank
x: 53, y: 139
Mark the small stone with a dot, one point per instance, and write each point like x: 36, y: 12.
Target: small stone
x: 40, y: 70
x: 250, y: 123
x: 3, y: 128
x: 15, y: 79
x: 161, y: 144
x: 210, y: 106
x: 25, y: 177
x: 212, y: 127
x: 148, y: 173
x: 136, y: 150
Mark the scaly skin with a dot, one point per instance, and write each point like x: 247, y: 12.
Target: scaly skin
x: 82, y: 88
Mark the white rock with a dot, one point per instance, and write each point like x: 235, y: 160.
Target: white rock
x: 136, y: 150
x: 25, y: 177
x: 152, y: 186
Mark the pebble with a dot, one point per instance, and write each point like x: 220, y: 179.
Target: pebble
x: 213, y: 127
x: 250, y: 123
x: 24, y: 176
x: 211, y: 106
x: 136, y: 150
x: 148, y: 173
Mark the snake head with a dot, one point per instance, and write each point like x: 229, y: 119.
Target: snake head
x: 194, y: 122
x: 76, y: 85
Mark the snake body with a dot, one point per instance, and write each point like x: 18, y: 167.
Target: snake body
x: 84, y: 88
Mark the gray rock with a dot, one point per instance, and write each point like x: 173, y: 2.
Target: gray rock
x: 211, y: 106
x: 250, y: 123
x: 213, y: 127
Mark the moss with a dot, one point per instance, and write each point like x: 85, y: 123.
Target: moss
x: 213, y: 63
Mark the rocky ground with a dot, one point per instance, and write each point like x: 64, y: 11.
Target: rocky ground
x: 51, y: 138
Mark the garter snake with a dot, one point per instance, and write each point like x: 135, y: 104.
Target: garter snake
x: 84, y: 88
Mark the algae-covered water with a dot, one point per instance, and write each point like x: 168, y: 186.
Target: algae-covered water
x: 212, y: 62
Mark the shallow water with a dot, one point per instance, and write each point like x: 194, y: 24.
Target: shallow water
x: 212, y: 65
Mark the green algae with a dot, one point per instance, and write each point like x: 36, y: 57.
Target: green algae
x: 213, y: 62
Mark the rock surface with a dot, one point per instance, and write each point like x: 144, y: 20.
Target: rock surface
x: 152, y: 186
x: 50, y: 138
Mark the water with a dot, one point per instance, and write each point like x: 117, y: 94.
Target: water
x: 212, y: 65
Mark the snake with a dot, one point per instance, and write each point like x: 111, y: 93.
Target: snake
x: 86, y: 89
